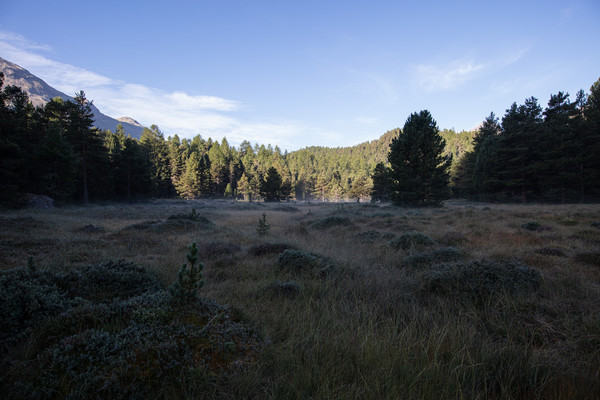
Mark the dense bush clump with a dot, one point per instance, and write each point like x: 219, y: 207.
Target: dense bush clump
x: 531, y: 226
x: 270, y: 248
x: 595, y: 224
x: 108, y: 280
x: 304, y: 261
x: 174, y: 222
x: 331, y: 221
x: 480, y: 279
x: 410, y: 241
x: 111, y: 331
x: 437, y: 256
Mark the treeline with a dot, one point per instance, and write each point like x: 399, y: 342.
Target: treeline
x: 536, y: 154
x: 55, y: 150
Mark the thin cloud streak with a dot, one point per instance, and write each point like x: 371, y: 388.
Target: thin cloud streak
x: 434, y: 77
x: 175, y: 112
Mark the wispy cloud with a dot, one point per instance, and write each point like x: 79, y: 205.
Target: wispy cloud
x: 177, y: 112
x: 441, y: 77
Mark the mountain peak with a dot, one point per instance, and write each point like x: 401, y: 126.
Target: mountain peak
x: 40, y: 93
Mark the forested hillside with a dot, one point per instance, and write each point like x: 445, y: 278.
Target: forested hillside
x: 533, y: 154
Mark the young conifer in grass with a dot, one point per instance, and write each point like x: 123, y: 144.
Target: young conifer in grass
x: 189, y: 279
x: 263, y: 226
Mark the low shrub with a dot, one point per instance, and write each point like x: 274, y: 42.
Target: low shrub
x: 592, y: 258
x: 331, y: 221
x: 531, y: 226
x: 437, y: 256
x: 410, y: 241
x: 595, y: 224
x: 304, y: 261
x: 551, y: 251
x: 270, y: 248
x: 481, y: 279
x: 143, y: 346
x: 289, y: 289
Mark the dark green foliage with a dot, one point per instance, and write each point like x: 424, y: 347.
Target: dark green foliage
x: 419, y: 169
x: 531, y: 226
x: 110, y: 280
x: 411, y: 241
x: 189, y: 278
x: 270, y: 248
x: 263, y: 226
x: 481, y: 279
x: 331, y: 221
x: 289, y: 289
x: 592, y: 258
x: 551, y: 251
x: 140, y: 347
x: 382, y: 189
x: 271, y: 187
x: 595, y: 224
x: 303, y: 261
x: 27, y: 297
x: 437, y: 256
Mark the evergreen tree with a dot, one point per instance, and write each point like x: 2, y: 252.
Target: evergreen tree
x: 270, y: 188
x: 419, y: 170
x: 381, y: 190
x: 88, y: 146
x: 157, y: 153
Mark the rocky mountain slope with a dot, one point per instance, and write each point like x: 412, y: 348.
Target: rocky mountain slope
x: 40, y: 93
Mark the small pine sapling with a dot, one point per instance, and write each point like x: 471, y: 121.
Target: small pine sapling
x: 189, y: 279
x: 263, y: 226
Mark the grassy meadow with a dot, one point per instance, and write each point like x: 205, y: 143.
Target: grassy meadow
x: 346, y: 301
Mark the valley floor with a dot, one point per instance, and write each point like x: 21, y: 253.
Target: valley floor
x: 368, y: 301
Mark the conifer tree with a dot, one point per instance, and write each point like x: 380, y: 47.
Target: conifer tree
x: 419, y: 170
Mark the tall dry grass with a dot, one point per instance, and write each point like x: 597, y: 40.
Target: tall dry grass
x: 369, y: 329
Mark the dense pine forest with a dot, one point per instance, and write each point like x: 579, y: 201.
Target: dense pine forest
x: 531, y: 154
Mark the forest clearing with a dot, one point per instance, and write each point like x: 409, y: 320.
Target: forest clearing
x: 320, y: 300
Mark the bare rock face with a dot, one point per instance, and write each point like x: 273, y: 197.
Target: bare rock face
x: 40, y: 93
x: 38, y: 201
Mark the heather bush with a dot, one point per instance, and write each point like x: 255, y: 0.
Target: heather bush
x: 270, y: 248
x: 437, y: 256
x: 411, y: 241
x: 303, y: 261
x: 27, y: 298
x: 595, y: 224
x: 331, y: 221
x: 531, y: 226
x: 108, y: 280
x: 134, y: 349
x: 90, y: 229
x: 481, y: 279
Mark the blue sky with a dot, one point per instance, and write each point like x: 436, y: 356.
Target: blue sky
x: 300, y: 73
